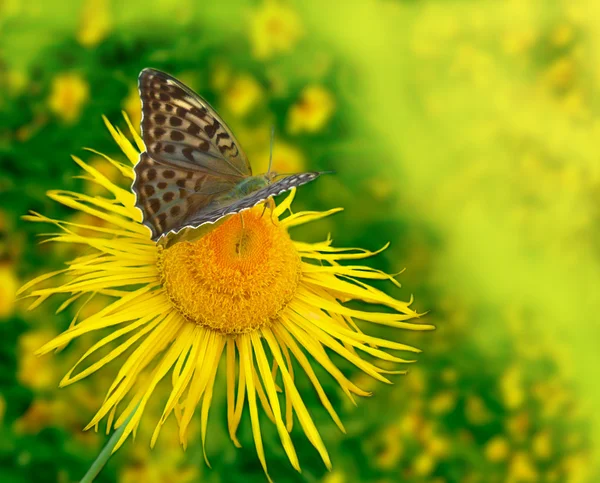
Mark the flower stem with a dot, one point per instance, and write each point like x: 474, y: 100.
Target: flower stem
x: 106, y: 452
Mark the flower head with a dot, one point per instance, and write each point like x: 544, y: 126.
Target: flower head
x: 68, y: 95
x: 312, y: 112
x: 275, y: 28
x: 95, y: 22
x: 243, y: 94
x: 246, y: 292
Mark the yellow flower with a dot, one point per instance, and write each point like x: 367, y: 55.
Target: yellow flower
x: 8, y: 289
x: 476, y: 411
x: 443, y: 402
x: 243, y: 94
x: 274, y: 28
x: 40, y: 414
x: 312, y: 112
x: 33, y: 372
x: 497, y: 449
x: 392, y: 448
x: 542, y: 445
x: 334, y: 477
x: 68, y: 94
x: 512, y: 388
x: 286, y: 159
x: 95, y: 22
x: 247, y: 293
x: 424, y: 464
x: 522, y: 470
x: 221, y: 76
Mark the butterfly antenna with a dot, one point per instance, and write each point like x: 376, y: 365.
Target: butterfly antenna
x: 271, y: 149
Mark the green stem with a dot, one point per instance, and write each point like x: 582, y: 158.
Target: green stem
x: 104, y: 455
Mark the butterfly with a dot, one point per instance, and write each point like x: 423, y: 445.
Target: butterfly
x: 193, y: 171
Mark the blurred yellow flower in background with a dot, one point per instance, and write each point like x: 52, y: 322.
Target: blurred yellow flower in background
x: 497, y: 449
x: 287, y: 158
x: 242, y: 94
x: 132, y: 106
x: 95, y: 23
x: 8, y: 289
x: 221, y: 75
x: 173, y: 466
x: 191, y: 304
x: 69, y: 92
x: 312, y: 111
x: 34, y: 372
x: 275, y: 28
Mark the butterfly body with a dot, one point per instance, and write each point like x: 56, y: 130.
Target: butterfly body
x: 193, y: 171
x: 249, y: 185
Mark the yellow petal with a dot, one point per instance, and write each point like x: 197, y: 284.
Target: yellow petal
x: 265, y: 373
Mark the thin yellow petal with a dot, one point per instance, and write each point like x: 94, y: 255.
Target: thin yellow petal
x: 307, y: 217
x: 303, y: 416
x: 136, y: 137
x: 68, y: 379
x: 316, y: 350
x: 285, y: 204
x: 263, y: 367
x: 231, y: 391
x: 122, y: 141
x: 124, y: 169
x: 245, y: 351
x: 166, y: 363
x: 285, y: 340
x: 208, y: 392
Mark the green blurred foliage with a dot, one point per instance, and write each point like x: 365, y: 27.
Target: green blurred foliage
x: 465, y: 132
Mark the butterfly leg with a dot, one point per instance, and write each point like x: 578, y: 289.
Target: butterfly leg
x: 238, y: 246
x: 272, y: 206
x: 264, y: 209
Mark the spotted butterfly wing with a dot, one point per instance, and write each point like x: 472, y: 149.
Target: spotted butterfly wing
x: 192, y: 163
x: 191, y: 155
x: 254, y: 198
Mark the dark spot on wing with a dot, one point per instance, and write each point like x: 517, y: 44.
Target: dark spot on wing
x: 188, y: 153
x: 177, y: 136
x: 154, y: 205
x: 193, y: 129
x: 211, y: 129
x: 169, y: 174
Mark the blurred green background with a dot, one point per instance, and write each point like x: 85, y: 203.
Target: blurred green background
x: 464, y: 132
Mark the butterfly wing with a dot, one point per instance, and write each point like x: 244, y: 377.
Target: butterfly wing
x: 253, y: 199
x: 181, y: 128
x: 191, y: 155
x: 168, y: 195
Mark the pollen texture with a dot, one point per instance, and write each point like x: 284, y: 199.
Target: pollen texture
x: 236, y: 278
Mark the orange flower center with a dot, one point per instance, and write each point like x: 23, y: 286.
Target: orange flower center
x: 235, y: 279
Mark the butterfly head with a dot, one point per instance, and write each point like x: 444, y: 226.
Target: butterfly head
x: 271, y: 176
